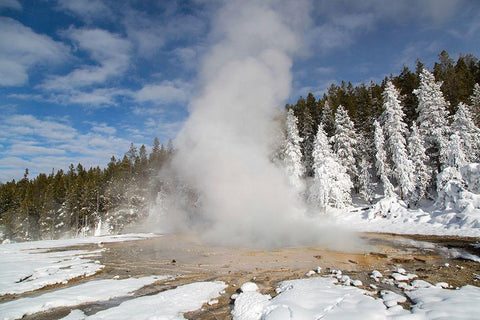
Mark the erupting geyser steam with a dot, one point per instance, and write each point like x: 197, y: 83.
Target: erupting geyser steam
x: 225, y: 147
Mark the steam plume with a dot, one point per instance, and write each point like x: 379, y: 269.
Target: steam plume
x: 225, y: 147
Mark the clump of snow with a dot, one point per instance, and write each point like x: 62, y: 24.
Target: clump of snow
x: 401, y: 270
x: 403, y: 277
x: 391, y: 299
x: 310, y: 273
x: 98, y: 290
x: 213, y: 302
x: 357, y: 283
x: 249, y: 287
x: 345, y: 280
x: 376, y: 275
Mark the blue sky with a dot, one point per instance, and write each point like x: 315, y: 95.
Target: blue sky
x: 81, y: 79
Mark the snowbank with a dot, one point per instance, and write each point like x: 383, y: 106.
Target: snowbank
x: 98, y: 290
x: 170, y: 304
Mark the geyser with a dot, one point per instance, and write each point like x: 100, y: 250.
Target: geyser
x: 226, y: 145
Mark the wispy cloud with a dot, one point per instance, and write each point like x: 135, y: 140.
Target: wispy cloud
x: 41, y: 144
x: 10, y: 4
x: 109, y: 51
x: 165, y: 92
x: 21, y: 49
x: 88, y: 10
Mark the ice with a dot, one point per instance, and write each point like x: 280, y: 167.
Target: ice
x: 170, y: 304
x: 97, y: 290
x: 29, y: 266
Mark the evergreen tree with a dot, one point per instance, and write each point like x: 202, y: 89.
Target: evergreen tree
x: 455, y: 152
x: 345, y: 141
x: 328, y: 120
x: 432, y: 118
x: 331, y: 184
x: 395, y: 131
x: 383, y: 171
x: 421, y: 173
x: 293, y: 153
x: 365, y: 181
x: 475, y: 100
x: 468, y: 133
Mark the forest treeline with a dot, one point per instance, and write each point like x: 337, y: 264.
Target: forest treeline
x: 75, y: 202
x: 356, y: 128
x: 410, y: 135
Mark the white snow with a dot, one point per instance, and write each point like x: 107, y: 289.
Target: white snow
x: 97, y: 290
x: 249, y: 287
x: 391, y: 299
x: 29, y: 266
x: 170, y: 304
x: 437, y: 303
x: 313, y: 298
x: 392, y: 215
x: 323, y: 298
x: 403, y: 277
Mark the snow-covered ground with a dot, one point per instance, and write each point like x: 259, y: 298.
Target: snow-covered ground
x: 29, y: 266
x: 327, y: 298
x: 92, y: 291
x: 393, y: 216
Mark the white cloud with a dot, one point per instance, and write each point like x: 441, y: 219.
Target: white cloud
x: 103, y: 128
x: 21, y: 49
x: 41, y: 144
x: 10, y: 4
x: 110, y: 52
x: 86, y: 9
x: 150, y: 33
x: 164, y: 92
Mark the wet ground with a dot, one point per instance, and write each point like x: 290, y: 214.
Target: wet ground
x: 434, y: 259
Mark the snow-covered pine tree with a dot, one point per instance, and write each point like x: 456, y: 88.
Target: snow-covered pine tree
x: 468, y: 133
x: 395, y: 130
x: 421, y: 173
x: 293, y: 153
x: 432, y: 118
x: 365, y: 180
x: 454, y: 152
x: 475, y: 99
x: 345, y: 141
x: 327, y: 119
x: 331, y: 184
x: 381, y: 160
